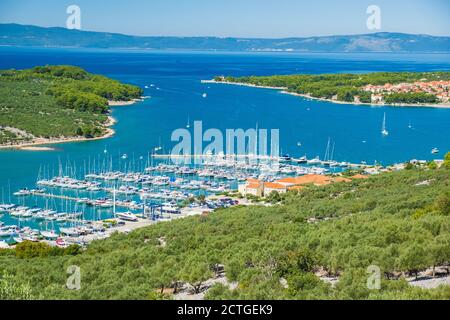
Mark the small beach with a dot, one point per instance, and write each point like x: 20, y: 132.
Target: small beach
x: 125, y: 103
x: 40, y: 144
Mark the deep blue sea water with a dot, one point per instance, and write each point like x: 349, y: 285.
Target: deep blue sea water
x: 145, y: 125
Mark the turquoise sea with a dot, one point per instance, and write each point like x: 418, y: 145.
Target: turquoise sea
x: 177, y: 96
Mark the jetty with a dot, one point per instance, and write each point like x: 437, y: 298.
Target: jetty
x: 120, y: 204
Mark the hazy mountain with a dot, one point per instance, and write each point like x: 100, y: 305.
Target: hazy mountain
x: 21, y: 35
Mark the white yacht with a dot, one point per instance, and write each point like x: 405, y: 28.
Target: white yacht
x: 49, y: 235
x: 21, y: 193
x: 71, y: 232
x: 170, y: 208
x: 301, y: 160
x: 4, y: 245
x: 7, y: 231
x: 316, y: 160
x: 127, y: 216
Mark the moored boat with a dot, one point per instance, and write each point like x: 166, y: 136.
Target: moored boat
x: 50, y: 235
x: 126, y: 216
x: 4, y: 245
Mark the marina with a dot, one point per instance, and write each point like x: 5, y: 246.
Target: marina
x: 84, y: 184
x: 224, y: 151
x: 75, y: 204
x: 77, y: 209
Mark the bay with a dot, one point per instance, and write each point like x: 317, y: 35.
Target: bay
x: 177, y: 95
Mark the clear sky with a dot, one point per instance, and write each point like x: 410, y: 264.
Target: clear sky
x: 237, y: 18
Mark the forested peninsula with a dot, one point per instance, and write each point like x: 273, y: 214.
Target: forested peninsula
x: 54, y: 103
x: 381, y: 88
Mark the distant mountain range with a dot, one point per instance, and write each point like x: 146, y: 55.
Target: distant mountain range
x: 22, y: 35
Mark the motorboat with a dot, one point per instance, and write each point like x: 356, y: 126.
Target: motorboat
x: 4, y: 245
x: 72, y: 232
x: 50, y: 235
x: 126, y: 216
x: 316, y: 160
x: 22, y: 193
x: 301, y: 160
x: 169, y: 208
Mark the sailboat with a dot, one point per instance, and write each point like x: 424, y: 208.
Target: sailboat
x: 49, y: 235
x: 327, y: 158
x: 384, y: 131
x: 127, y: 216
x: 188, y: 125
x: 332, y: 162
x: 410, y: 125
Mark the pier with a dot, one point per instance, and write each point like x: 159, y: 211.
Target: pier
x: 90, y: 202
x: 259, y: 157
x: 213, y: 156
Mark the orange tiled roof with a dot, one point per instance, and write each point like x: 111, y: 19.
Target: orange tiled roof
x: 316, y: 179
x: 274, y: 185
x: 253, y: 186
x: 287, y: 180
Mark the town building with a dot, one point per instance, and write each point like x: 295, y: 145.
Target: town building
x: 261, y: 189
x: 441, y: 89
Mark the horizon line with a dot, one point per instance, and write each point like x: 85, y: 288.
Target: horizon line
x: 227, y: 37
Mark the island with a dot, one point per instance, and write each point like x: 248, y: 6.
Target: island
x: 35, y: 36
x: 54, y: 104
x: 381, y: 88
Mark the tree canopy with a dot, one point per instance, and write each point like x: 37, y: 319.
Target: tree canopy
x: 56, y: 101
x: 346, y: 87
x: 356, y: 224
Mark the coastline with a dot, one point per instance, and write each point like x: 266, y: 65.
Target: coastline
x: 40, y: 144
x: 283, y: 90
x: 126, y: 103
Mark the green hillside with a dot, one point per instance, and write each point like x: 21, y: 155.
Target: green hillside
x: 396, y: 221
x: 56, y: 101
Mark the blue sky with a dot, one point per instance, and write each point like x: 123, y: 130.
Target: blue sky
x: 238, y: 18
